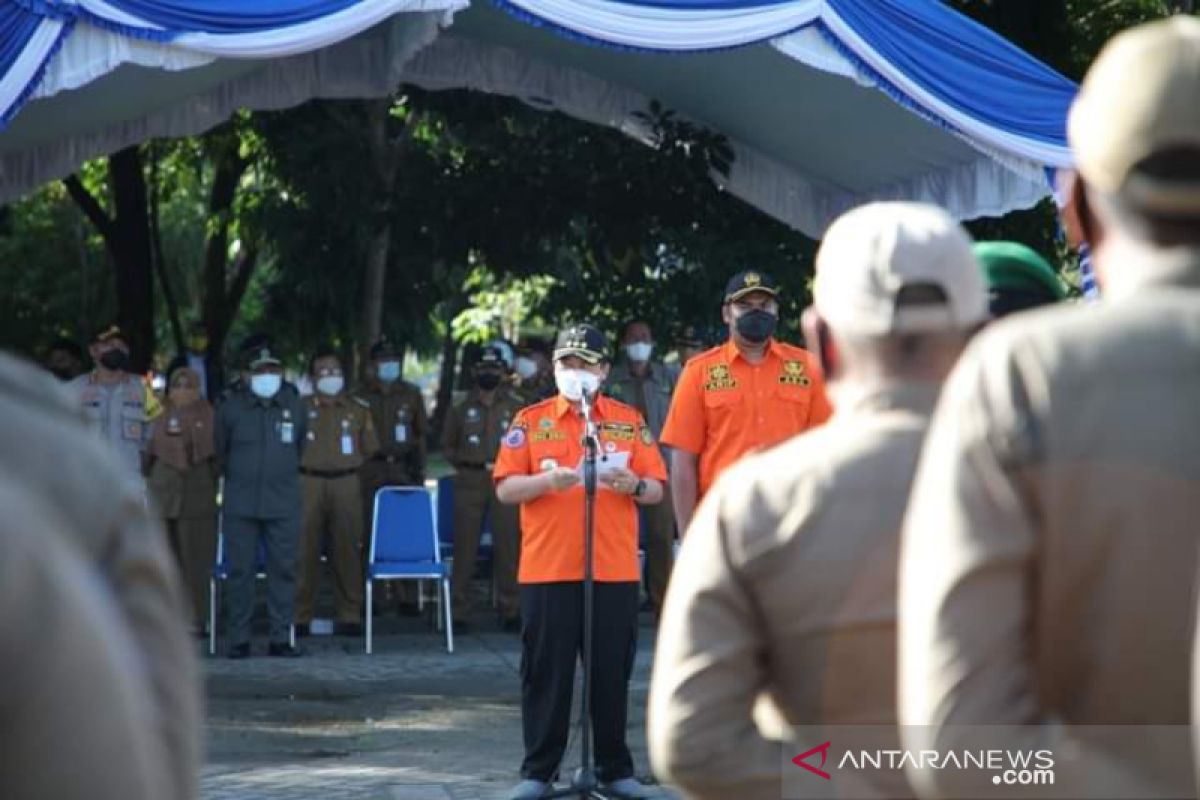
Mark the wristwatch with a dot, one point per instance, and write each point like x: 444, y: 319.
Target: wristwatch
x: 640, y: 489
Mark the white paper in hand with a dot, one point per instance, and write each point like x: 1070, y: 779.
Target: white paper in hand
x: 606, y: 464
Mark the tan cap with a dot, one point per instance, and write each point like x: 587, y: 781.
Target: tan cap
x: 1140, y: 97
x: 876, y: 258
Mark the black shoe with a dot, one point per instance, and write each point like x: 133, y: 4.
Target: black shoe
x: 511, y: 625
x: 301, y: 629
x: 283, y: 650
x: 462, y: 626
x: 348, y: 629
x: 239, y: 651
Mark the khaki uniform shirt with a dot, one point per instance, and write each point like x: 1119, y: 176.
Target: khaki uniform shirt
x: 74, y: 708
x: 118, y: 413
x: 650, y: 394
x: 42, y: 443
x: 401, y: 424
x: 1048, y: 568
x: 341, y: 435
x: 473, y: 431
x: 786, y: 587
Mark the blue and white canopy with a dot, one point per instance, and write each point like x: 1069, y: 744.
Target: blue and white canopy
x: 82, y: 78
x: 827, y: 103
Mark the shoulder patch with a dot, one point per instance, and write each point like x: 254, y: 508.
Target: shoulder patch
x: 646, y: 435
x: 515, y: 438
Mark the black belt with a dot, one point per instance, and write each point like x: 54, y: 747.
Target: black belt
x: 478, y: 467
x: 327, y: 473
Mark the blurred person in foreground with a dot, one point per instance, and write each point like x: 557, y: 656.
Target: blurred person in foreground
x: 787, y: 584
x: 1049, y: 557
x: 47, y: 453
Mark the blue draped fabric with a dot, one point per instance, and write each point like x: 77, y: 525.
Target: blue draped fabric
x: 965, y: 64
x: 17, y: 26
x: 33, y: 31
x: 227, y: 16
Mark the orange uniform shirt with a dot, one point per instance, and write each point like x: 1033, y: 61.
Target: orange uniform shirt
x: 549, y: 434
x: 725, y: 407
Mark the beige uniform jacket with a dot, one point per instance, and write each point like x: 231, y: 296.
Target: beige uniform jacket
x: 340, y: 433
x: 786, y: 586
x: 1048, y: 568
x: 76, y: 720
x: 51, y: 454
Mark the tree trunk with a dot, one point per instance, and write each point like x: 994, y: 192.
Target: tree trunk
x: 374, y: 282
x: 445, y: 392
x: 385, y: 153
x: 223, y: 294
x: 160, y: 262
x: 126, y: 235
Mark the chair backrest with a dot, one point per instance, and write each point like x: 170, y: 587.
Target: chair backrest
x: 221, y: 564
x: 404, y: 531
x: 445, y: 509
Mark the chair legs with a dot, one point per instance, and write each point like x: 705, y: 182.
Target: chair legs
x: 370, y: 607
x: 445, y: 596
x: 212, y: 616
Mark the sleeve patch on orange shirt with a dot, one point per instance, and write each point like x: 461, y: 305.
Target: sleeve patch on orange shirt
x: 515, y: 438
x: 647, y: 435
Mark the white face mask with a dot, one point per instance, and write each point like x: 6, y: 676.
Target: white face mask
x: 389, y: 371
x: 573, y: 383
x: 266, y: 385
x: 330, y: 384
x: 639, y: 351
x: 526, y: 367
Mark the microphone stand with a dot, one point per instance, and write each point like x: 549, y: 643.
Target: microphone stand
x: 584, y: 785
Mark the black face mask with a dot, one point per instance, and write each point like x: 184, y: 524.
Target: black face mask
x: 756, y: 326
x: 487, y: 381
x: 114, y: 359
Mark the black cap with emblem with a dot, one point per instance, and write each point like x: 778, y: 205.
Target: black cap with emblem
x: 384, y: 349
x: 263, y: 357
x: 492, y: 357
x: 583, y: 340
x: 749, y: 281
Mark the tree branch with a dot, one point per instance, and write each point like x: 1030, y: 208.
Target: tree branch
x: 90, y: 207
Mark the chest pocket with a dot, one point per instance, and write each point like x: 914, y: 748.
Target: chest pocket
x: 795, y: 400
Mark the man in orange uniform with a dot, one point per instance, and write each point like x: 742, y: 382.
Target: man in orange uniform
x: 750, y: 393
x: 539, y: 467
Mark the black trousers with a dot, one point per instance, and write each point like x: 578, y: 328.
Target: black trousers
x: 551, y: 642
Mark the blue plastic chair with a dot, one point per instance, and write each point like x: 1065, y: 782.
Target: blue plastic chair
x: 404, y: 547
x: 220, y: 572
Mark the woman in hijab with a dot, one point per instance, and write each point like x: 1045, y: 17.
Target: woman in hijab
x: 183, y: 483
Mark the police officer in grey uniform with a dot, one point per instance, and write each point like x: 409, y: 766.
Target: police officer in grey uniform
x: 260, y: 432
x: 117, y: 404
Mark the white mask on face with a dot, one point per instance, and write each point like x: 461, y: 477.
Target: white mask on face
x: 330, y: 384
x: 266, y: 385
x: 526, y: 367
x: 389, y: 371
x: 573, y: 383
x: 639, y: 351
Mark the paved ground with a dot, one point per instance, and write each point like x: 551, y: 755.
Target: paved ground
x: 407, y: 723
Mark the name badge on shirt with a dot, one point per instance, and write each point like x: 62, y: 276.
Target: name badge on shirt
x: 347, y: 444
x: 401, y: 433
x: 287, y: 432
